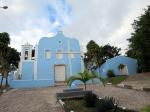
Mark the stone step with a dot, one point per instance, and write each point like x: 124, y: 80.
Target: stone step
x: 60, y: 84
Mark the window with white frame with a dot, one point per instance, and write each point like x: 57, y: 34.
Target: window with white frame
x: 47, y: 54
x: 59, y: 55
x: 71, y: 55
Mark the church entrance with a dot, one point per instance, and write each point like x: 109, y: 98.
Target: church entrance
x: 60, y: 73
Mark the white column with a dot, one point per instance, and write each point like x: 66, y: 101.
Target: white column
x: 35, y: 70
x: 35, y: 62
x: 70, y: 63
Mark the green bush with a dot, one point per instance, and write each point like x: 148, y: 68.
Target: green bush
x: 90, y: 99
x: 106, y: 104
x: 110, y: 73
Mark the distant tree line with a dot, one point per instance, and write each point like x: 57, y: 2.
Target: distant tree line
x: 139, y: 43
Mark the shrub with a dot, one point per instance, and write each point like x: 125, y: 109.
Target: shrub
x: 106, y: 104
x: 110, y: 73
x: 90, y: 99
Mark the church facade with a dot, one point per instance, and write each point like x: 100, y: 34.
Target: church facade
x: 53, y: 60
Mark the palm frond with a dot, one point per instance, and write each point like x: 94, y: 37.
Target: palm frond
x: 101, y: 78
x: 72, y: 79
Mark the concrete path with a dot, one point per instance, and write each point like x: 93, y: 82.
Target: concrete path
x: 131, y: 99
x: 44, y: 99
x: 30, y: 100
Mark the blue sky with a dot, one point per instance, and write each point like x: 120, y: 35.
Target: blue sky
x: 104, y: 21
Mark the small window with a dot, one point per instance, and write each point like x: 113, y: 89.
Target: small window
x: 26, y: 54
x: 47, y: 54
x: 59, y: 55
x: 71, y: 55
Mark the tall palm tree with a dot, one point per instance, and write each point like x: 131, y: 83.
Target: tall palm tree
x: 82, y: 76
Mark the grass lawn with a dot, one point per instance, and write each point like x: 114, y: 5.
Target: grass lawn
x: 147, y: 109
x: 116, y: 80
x: 78, y: 106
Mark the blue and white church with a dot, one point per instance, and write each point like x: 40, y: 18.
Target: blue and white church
x: 53, y: 59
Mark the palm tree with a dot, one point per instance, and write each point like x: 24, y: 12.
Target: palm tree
x: 82, y: 76
x: 101, y: 79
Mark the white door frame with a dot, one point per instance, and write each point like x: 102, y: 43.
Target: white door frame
x: 55, y: 71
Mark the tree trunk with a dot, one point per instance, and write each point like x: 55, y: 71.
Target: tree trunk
x: 2, y: 81
x: 6, y: 85
x: 85, y: 86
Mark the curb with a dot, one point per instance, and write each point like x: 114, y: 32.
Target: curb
x: 125, y: 86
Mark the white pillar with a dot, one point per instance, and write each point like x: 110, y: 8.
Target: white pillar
x: 35, y: 62
x: 70, y: 63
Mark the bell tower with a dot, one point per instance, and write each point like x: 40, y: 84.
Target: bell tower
x: 26, y: 52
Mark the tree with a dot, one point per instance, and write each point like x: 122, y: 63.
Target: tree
x: 82, y: 76
x: 4, y: 38
x: 97, y: 55
x: 139, y: 43
x: 85, y: 77
x: 8, y: 56
x: 109, y: 51
x: 92, y: 58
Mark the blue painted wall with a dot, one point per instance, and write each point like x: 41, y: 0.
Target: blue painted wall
x: 112, y: 64
x: 28, y: 70
x: 55, y: 44
x: 30, y: 83
x: 45, y: 67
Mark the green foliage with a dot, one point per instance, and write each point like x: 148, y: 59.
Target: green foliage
x: 106, y: 104
x: 147, y: 109
x: 109, y: 51
x: 82, y: 76
x: 110, y: 73
x: 140, y: 41
x: 85, y: 77
x: 117, y: 79
x: 4, y: 38
x: 90, y: 99
x: 97, y: 55
x: 100, y: 78
x: 8, y: 56
x: 92, y: 58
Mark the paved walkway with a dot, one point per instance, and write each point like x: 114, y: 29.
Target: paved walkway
x: 131, y: 99
x: 30, y: 100
x: 44, y: 99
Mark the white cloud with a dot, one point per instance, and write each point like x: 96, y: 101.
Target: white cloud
x: 104, y: 21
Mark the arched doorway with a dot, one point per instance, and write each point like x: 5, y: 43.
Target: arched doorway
x: 124, y: 70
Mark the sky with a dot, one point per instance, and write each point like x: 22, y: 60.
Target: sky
x: 104, y: 21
